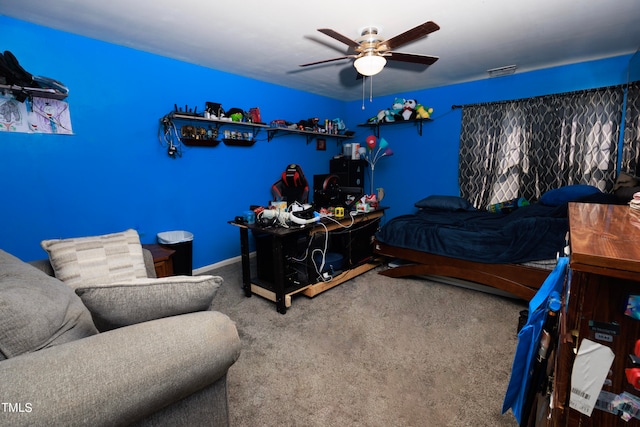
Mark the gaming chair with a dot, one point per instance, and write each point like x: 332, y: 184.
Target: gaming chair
x: 292, y: 186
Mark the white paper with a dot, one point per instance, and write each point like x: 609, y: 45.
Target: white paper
x: 41, y: 115
x: 590, y: 370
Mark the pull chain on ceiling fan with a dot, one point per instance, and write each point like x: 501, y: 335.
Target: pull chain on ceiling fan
x: 371, y: 52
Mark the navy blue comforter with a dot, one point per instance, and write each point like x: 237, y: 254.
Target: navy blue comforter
x: 530, y: 233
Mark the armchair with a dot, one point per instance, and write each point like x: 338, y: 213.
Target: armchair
x: 57, y: 369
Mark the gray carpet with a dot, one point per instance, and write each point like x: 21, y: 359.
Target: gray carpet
x: 374, y: 351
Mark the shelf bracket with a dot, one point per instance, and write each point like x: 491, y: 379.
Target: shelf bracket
x: 256, y: 131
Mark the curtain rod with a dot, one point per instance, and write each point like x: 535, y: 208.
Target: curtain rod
x: 477, y: 104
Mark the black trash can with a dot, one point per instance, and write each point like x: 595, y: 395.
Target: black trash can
x: 181, y: 242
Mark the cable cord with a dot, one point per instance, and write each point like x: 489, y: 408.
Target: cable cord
x: 353, y: 220
x: 323, y: 251
x: 169, y: 137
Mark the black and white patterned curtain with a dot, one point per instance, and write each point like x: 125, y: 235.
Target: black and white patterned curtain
x: 523, y: 148
x: 631, y: 141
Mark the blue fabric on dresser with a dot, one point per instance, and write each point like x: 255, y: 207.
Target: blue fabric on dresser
x: 529, y: 340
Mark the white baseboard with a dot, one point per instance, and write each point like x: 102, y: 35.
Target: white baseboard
x: 220, y: 264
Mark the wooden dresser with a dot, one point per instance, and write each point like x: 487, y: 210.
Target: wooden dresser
x: 605, y: 272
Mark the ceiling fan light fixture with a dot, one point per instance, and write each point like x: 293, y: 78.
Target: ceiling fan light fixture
x: 370, y: 64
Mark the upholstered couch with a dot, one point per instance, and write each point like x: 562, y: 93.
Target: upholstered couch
x: 58, y: 369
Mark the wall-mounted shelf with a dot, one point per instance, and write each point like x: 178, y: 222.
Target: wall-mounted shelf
x: 272, y: 132
x: 238, y: 142
x: 217, y: 123
x: 200, y: 142
x: 17, y: 91
x: 255, y: 128
x: 376, y: 126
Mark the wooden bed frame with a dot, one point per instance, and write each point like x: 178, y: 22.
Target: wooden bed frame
x: 519, y: 280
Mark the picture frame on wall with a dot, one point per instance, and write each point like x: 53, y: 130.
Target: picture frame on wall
x: 321, y: 144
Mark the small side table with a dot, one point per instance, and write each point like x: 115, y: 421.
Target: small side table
x: 162, y: 259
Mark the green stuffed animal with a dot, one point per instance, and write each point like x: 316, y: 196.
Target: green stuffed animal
x: 422, y: 112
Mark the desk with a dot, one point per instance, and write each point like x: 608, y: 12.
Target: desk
x: 279, y: 290
x: 605, y: 271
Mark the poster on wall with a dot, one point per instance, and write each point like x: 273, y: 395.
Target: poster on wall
x: 34, y: 115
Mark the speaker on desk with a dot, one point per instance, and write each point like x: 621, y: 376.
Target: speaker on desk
x: 351, y: 170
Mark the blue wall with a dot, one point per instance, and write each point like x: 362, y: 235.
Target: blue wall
x: 113, y: 173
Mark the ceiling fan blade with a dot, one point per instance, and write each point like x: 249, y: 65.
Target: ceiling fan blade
x: 324, y: 61
x: 344, y: 39
x: 411, y: 35
x: 411, y: 57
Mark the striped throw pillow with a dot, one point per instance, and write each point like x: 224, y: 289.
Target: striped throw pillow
x: 97, y: 260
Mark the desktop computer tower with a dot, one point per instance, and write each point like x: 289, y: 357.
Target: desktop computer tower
x: 299, y: 251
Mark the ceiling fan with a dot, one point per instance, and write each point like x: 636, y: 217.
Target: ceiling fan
x: 371, y: 51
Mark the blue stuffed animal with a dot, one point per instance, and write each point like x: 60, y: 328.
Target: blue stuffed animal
x: 392, y: 114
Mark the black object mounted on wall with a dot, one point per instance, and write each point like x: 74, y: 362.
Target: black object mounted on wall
x: 24, y: 84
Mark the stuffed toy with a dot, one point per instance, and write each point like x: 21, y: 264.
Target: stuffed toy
x: 373, y: 120
x: 236, y: 114
x: 409, y: 109
x: 338, y: 125
x: 422, y: 112
x: 392, y: 114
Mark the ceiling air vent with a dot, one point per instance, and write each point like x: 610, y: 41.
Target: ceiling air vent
x: 502, y: 71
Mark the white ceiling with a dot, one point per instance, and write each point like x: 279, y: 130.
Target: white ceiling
x: 268, y: 39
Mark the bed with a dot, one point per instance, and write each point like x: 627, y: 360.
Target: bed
x: 512, y: 252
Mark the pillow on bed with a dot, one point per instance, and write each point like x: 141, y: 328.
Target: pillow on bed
x: 625, y: 180
x: 626, y: 186
x: 567, y: 193
x: 448, y: 203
